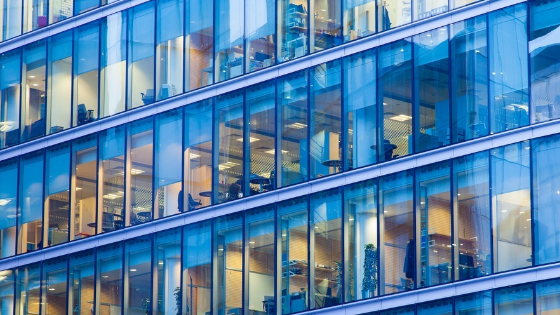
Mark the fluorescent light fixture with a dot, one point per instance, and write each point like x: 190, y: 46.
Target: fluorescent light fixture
x: 401, y: 118
x: 133, y: 270
x: 272, y: 151
x: 104, y: 276
x: 32, y: 77
x: 6, y: 127
x: 226, y: 165
x: 251, y: 242
x: 78, y: 188
x: 251, y: 139
x: 136, y: 171
x: 297, y: 126
x: 194, y: 156
x: 35, y: 84
x: 51, y: 289
x: 4, y: 202
x: 113, y: 196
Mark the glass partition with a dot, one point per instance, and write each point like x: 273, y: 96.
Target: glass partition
x: 59, y: 83
x: 10, y: 95
x: 394, y: 13
x: 395, y: 93
x: 228, y: 162
x: 8, y: 207
x: 112, y: 76
x: 199, y: 44
x: 260, y: 252
x: 197, y: 155
x: 138, y: 275
x: 359, y: 19
x: 170, y: 47
x: 109, y: 278
x: 11, y: 26
x: 54, y: 299
x: 472, y: 217
x: 515, y: 300
x: 86, y: 72
x: 197, y: 268
x: 509, y: 99
x: 7, y: 285
x: 325, y: 143
x: 293, y: 27
x: 360, y: 109
x: 84, y: 187
x: 293, y: 256
x: 167, y: 245
x: 293, y: 124
x: 228, y: 284
x: 111, y: 179
x: 544, y: 41
x: 260, y: 31
x: 35, y: 15
x: 469, y: 86
x: 511, y: 206
x: 474, y: 304
x: 548, y: 295
x: 431, y: 90
x: 139, y: 171
x: 140, y: 61
x: 56, y: 220
x: 326, y: 24
x: 360, y: 241
x: 81, y: 277
x: 328, y: 274
x: 33, y: 98
x: 229, y: 29
x: 30, y: 205
x: 398, y: 267
x: 28, y: 289
x: 260, y: 104
x: 168, y: 164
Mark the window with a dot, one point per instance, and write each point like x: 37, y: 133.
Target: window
x: 139, y: 174
x: 81, y: 277
x: 8, y: 206
x: 112, y: 77
x: 33, y: 100
x: 406, y: 310
x: 10, y: 84
x: 439, y: 307
x: 197, y: 268
x: 424, y: 9
x: 548, y: 293
x: 81, y: 6
x: 359, y: 19
x: 60, y: 10
x: 35, y: 14
x: 326, y: 26
x: 141, y: 37
x: 11, y: 26
x: 199, y: 50
x: 260, y: 25
x: 54, y: 286
x: 112, y: 180
x: 293, y: 27
x: 59, y: 83
x: 84, y: 187
x: 228, y: 242
x: 393, y: 13
x: 109, y: 275
x: 56, y: 220
x: 7, y: 285
x: 167, y: 245
x: 170, y: 47
x: 28, y: 289
x: 474, y: 304
x: 229, y: 39
x: 517, y: 300
x: 86, y: 72
x: 138, y: 275
x: 30, y: 206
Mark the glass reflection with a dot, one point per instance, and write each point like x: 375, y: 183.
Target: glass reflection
x: 54, y: 285
x: 138, y: 275
x: 113, y: 64
x: 139, y: 174
x: 516, y: 300
x: 440, y: 307
x: 30, y: 206
x: 393, y: 13
x: 28, y: 289
x: 109, y: 275
x: 59, y: 88
x: 86, y: 72
x: 140, y: 61
x: 199, y: 50
x: 292, y: 36
x: 428, y: 8
x: 326, y: 26
x: 10, y: 83
x: 474, y: 304
x: 170, y: 47
x: 7, y: 285
x: 197, y: 268
x: 259, y: 33
x: 228, y: 242
x: 359, y: 19
x: 82, y: 281
x: 33, y: 98
x: 57, y: 195
x: 112, y: 164
x: 8, y: 207
x: 548, y: 295
x: 84, y: 187
x: 168, y: 278
x: 229, y: 19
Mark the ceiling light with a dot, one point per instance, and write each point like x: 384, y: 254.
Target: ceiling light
x: 136, y: 171
x: 297, y: 126
x: 272, y: 151
x: 111, y: 196
x: 51, y: 289
x: 251, y: 139
x: 31, y: 76
x: 429, y: 35
x: 4, y: 202
x: 401, y: 118
x: 78, y: 188
x: 104, y: 276
x: 251, y: 242
x: 35, y: 84
x: 385, y: 104
x: 194, y: 156
x: 133, y: 270
x: 227, y: 165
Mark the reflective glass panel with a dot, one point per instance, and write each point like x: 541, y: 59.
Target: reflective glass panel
x: 7, y: 285
x: 140, y: 174
x: 60, y: 10
x: 8, y: 207
x: 35, y: 14
x: 293, y: 120
x: 395, y: 93
x: 11, y: 26
x: 326, y: 26
x: 169, y: 50
x: 460, y: 3
x: 110, y: 288
x: 111, y: 181
x: 59, y: 83
x: 360, y: 109
x: 197, y: 268
x: 81, y: 6
x: 141, y: 37
x: 511, y: 205
x: 10, y: 83
x: 138, y: 275
x: 325, y: 143
x: 199, y: 50
x: 86, y: 73
x: 393, y: 13
x: 28, y: 288
x: 548, y: 295
x: 509, y: 99
x: 81, y: 277
x: 168, y: 278
x: 30, y: 206
x: 424, y: 9
x: 57, y: 195
x: 260, y: 30
x: 84, y: 187
x: 228, y: 242
x: 229, y: 39
x: 33, y: 98
x: 474, y: 304
x: 407, y: 310
x: 292, y: 35
x: 359, y: 18
x: 440, y: 307
x: 112, y: 78
x: 54, y: 285
x: 517, y: 300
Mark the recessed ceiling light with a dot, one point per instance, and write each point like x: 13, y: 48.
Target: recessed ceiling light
x: 401, y: 118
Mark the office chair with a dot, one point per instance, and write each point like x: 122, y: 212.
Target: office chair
x: 148, y: 97
x: 84, y: 115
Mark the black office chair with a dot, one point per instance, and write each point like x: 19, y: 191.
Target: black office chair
x: 148, y: 97
x: 84, y: 115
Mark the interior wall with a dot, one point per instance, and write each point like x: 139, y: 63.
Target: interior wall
x: 60, y: 95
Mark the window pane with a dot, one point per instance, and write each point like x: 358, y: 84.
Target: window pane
x: 59, y: 93
x: 360, y: 109
x: 13, y: 19
x: 548, y: 295
x: 545, y: 61
x: 328, y: 273
x: 7, y: 285
x: 140, y: 172
x: 326, y: 27
x: 292, y: 224
x: 86, y: 68
x: 229, y: 166
x: 197, y: 268
x: 82, y: 282
x: 440, y: 307
x: 199, y: 60
x: 228, y: 242
x: 262, y: 129
x: 141, y: 37
x: 394, y: 13
x: 424, y: 9
x: 473, y: 227
x: 57, y: 195
x: 34, y: 15
x: 168, y: 283
x: 407, y: 310
x: 546, y: 198
x: 469, y: 70
x: 113, y: 64
x: 292, y: 29
x: 229, y: 42
x: 84, y: 192
x: 431, y: 85
x: 33, y: 111
x: 474, y: 304
x: 138, y: 271
x: 198, y: 155
x: 517, y: 300
x: 8, y: 207
x: 460, y: 3
x: 28, y: 288
x: 292, y: 100
x: 359, y: 19
x: 326, y: 110
x: 260, y: 243
x: 30, y: 206
x: 169, y: 50
x: 395, y: 76
x: 81, y: 6
x: 109, y: 277
x: 260, y: 24
x: 434, y: 224
x: 55, y: 300
x: 398, y: 264
x: 111, y: 158
x: 361, y: 248
x: 168, y: 163
x: 509, y: 100
x: 10, y: 83
x: 511, y: 203
x: 60, y: 10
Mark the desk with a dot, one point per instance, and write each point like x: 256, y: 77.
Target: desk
x: 333, y: 163
x: 258, y: 180
x: 206, y: 194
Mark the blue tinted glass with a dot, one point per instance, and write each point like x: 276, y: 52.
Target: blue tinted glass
x: 548, y: 295
x: 12, y: 23
x: 509, y: 99
x: 139, y: 274
x: 199, y: 58
x: 169, y: 51
x: 86, y: 72
x: 84, y: 5
x: 141, y: 37
x: 81, y: 277
x: 424, y: 9
x: 141, y: 137
x: 407, y: 310
x: 109, y: 278
x: 474, y: 304
x: 8, y: 206
x: 517, y: 300
x: 10, y: 82
x: 441, y: 307
x: 228, y: 243
x: 113, y: 64
x: 393, y: 13
x: 57, y: 194
x: 293, y: 28
x: 111, y: 185
x: 54, y: 281
x: 30, y: 206
x: 229, y: 39
x: 168, y: 279
x: 59, y: 89
x: 260, y: 29
x: 33, y: 75
x: 326, y: 24
x: 28, y: 289
x: 359, y: 18
x: 197, y: 268
x: 7, y: 292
